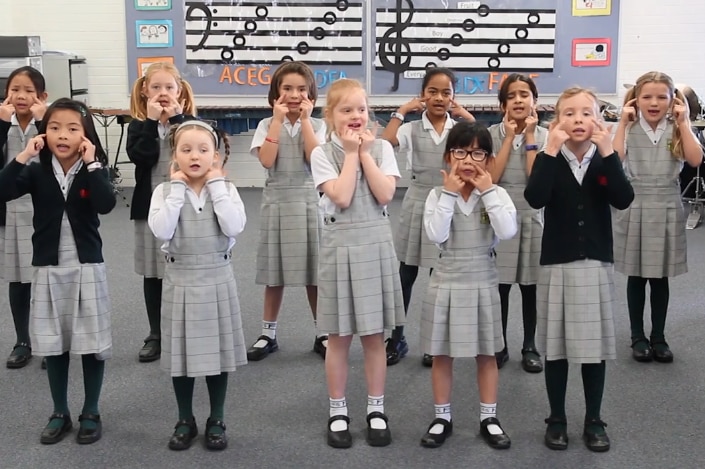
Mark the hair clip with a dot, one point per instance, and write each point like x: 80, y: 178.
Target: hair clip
x: 83, y: 111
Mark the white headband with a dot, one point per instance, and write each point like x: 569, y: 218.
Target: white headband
x: 205, y: 125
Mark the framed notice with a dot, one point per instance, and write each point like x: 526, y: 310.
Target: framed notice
x: 152, y: 4
x: 154, y: 33
x: 592, y: 7
x: 591, y: 52
x: 143, y: 63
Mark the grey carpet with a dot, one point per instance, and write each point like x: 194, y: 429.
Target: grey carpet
x: 277, y: 409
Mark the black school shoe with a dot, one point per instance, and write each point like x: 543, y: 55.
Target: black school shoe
x: 427, y: 360
x: 641, y: 350
x: 661, y: 351
x: 598, y: 442
x: 500, y: 441
x: 319, y: 347
x: 342, y: 439
x: 376, y: 437
x: 19, y: 360
x: 255, y: 354
x: 556, y: 436
x: 396, y: 350
x: 531, y: 360
x: 181, y: 441
x: 51, y: 436
x: 88, y: 436
x: 436, y: 440
x: 215, y: 441
x: 151, y: 350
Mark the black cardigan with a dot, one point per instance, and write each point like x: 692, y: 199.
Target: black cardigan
x: 4, y: 129
x: 577, y: 218
x: 90, y: 194
x: 143, y: 151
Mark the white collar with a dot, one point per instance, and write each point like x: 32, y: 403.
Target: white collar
x: 647, y: 127
x: 14, y: 121
x: 58, y: 169
x: 571, y: 158
x: 427, y: 125
x: 503, y: 131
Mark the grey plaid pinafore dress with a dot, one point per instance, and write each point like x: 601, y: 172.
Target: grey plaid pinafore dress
x: 518, y: 259
x: 18, y: 230
x: 149, y: 258
x: 201, y: 327
x: 410, y: 240
x: 649, y: 236
x: 461, y: 314
x: 287, y: 253
x: 70, y: 304
x: 359, y: 291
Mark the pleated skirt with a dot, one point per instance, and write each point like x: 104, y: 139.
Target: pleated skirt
x: 518, y: 259
x: 410, y: 240
x: 149, y: 258
x: 17, y: 257
x: 201, y: 324
x: 575, y: 312
x: 287, y: 254
x: 359, y: 291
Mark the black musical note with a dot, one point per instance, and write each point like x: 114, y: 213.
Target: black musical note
x: 209, y: 20
x: 393, y: 42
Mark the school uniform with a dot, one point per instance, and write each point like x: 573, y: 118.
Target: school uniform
x: 518, y: 257
x: 461, y: 310
x: 287, y: 254
x: 576, y: 284
x: 70, y: 302
x: 359, y: 291
x: 148, y: 148
x: 201, y: 325
x: 649, y: 236
x: 423, y: 148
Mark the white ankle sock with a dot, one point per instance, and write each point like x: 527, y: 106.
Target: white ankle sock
x: 338, y: 407
x: 269, y: 329
x: 376, y: 404
x: 488, y: 411
x: 442, y: 412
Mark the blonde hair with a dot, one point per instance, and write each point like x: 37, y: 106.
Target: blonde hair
x: 338, y: 90
x: 659, y: 77
x: 575, y: 91
x: 138, y: 101
x: 222, y: 143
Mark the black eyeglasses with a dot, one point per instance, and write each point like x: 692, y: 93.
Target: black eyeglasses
x: 461, y: 154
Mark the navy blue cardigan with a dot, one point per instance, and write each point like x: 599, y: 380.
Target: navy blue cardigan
x: 577, y: 218
x: 90, y: 194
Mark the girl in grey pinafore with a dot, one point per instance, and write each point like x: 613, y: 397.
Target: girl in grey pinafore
x: 201, y: 324
x: 649, y: 236
x: 358, y: 282
x: 288, y: 246
x: 461, y: 315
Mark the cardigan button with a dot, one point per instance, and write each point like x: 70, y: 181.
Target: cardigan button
x: 581, y: 223
x: 580, y: 206
x: 172, y: 259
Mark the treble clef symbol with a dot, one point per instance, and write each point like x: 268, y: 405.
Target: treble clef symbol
x: 394, y: 43
x: 208, y: 17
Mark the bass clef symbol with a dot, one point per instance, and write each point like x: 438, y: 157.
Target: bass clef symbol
x: 207, y: 17
x: 393, y: 43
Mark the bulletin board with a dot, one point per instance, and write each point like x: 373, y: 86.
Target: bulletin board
x: 231, y: 48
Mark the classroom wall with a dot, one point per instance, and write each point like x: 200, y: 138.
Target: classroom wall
x: 652, y: 36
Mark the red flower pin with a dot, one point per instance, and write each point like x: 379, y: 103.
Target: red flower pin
x: 83, y: 193
x: 602, y: 180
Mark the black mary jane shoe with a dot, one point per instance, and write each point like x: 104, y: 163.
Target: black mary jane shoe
x: 377, y: 437
x: 181, y: 441
x: 597, y: 442
x: 88, y: 436
x: 531, y: 360
x: 500, y: 441
x: 396, y: 350
x: 319, y: 347
x: 255, y: 354
x: 556, y: 438
x: 436, y: 440
x: 19, y: 360
x: 641, y: 350
x: 215, y: 441
x: 661, y: 351
x: 151, y: 350
x: 51, y: 436
x: 427, y: 360
x: 341, y: 439
x: 502, y: 358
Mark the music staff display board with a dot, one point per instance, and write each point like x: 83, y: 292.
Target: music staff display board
x: 232, y: 47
